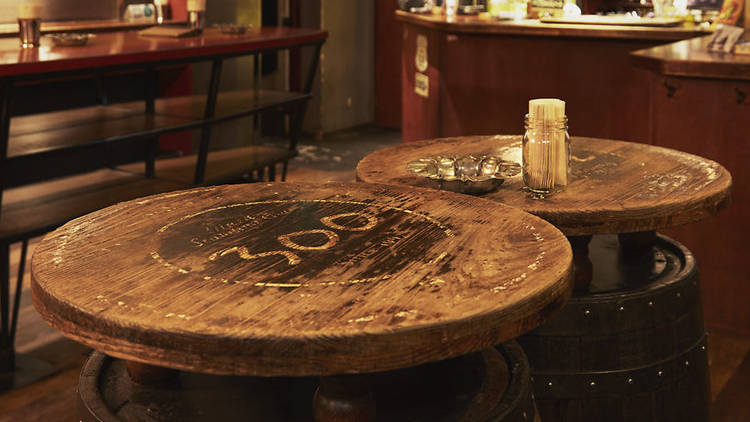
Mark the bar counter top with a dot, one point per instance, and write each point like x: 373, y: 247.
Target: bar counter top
x: 124, y: 48
x: 10, y: 29
x: 691, y: 58
x: 475, y: 25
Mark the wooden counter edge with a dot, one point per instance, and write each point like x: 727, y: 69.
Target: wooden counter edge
x: 700, y: 64
x: 106, y: 25
x: 473, y: 25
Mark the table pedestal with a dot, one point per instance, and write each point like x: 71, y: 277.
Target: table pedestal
x: 635, y: 251
x: 344, y: 399
x: 582, y: 262
x: 144, y: 374
x: 637, y: 247
x: 493, y: 385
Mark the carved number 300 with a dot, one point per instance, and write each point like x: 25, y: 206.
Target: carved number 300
x: 287, y: 241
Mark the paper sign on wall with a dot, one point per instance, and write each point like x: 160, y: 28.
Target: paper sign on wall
x: 420, y: 59
x: 422, y: 84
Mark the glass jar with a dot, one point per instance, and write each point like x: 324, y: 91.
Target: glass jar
x: 546, y: 154
x: 451, y: 8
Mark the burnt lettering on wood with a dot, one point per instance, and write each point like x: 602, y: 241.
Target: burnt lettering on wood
x: 287, y: 243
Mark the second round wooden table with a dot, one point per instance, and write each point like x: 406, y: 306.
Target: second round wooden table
x: 617, y: 187
x: 632, y: 338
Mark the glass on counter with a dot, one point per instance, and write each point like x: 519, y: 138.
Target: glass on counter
x: 29, y: 24
x: 196, y: 10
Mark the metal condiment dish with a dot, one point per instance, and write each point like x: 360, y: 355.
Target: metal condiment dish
x: 464, y: 173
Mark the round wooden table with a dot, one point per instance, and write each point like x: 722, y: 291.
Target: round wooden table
x: 616, y: 187
x: 638, y: 327
x: 300, y: 279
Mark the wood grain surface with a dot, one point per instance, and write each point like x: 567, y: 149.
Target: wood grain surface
x: 616, y: 187
x: 300, y: 279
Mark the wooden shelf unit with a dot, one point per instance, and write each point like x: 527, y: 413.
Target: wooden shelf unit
x: 68, y: 142
x: 75, y: 153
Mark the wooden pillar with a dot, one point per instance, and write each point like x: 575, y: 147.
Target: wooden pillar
x: 149, y: 374
x: 345, y: 398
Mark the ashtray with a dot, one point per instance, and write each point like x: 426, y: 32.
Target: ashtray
x: 464, y: 173
x: 70, y: 39
x: 232, y: 28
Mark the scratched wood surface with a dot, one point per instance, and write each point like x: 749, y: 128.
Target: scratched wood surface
x: 616, y: 187
x: 300, y: 279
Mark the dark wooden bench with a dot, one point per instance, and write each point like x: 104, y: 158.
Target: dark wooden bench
x: 251, y: 163
x: 58, y: 165
x: 64, y: 143
x: 35, y: 209
x: 64, y: 164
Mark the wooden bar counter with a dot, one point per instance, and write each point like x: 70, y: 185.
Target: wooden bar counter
x: 698, y: 103
x: 475, y: 76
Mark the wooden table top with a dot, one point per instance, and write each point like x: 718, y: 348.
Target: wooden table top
x: 300, y: 279
x: 691, y: 58
x: 129, y: 48
x: 616, y: 187
x: 475, y: 25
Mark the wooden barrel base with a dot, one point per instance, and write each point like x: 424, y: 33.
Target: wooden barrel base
x: 490, y: 386
x: 673, y: 390
x: 614, y: 271
x: 632, y: 348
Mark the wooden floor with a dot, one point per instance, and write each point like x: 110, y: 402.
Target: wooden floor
x: 53, y: 398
